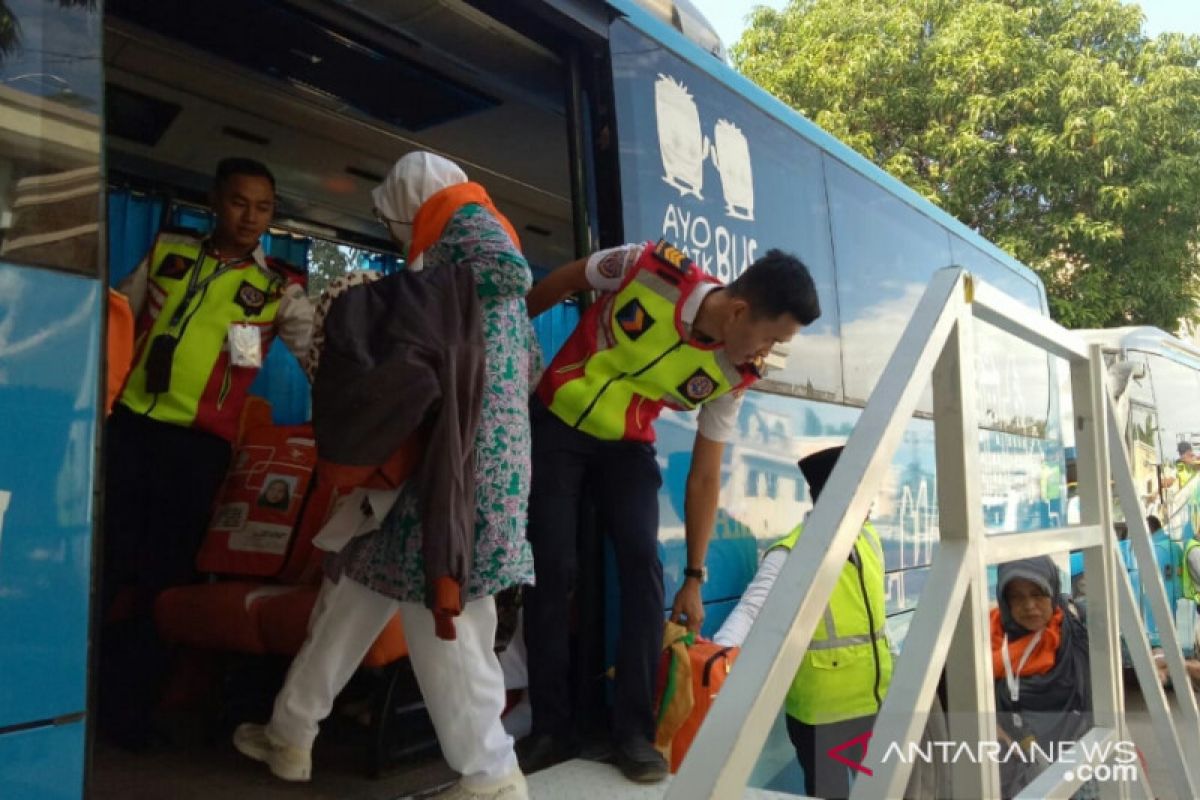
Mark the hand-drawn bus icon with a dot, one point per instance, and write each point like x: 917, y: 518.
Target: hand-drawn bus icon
x: 681, y: 141
x: 731, y: 157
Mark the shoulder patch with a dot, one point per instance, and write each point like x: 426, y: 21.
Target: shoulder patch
x: 698, y: 387
x: 670, y: 254
x: 633, y: 319
x: 174, y: 266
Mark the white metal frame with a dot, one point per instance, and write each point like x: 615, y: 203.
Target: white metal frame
x: 950, y: 626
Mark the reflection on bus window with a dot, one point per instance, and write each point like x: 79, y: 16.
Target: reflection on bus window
x: 1014, y: 376
x: 886, y: 252
x: 50, y: 103
x: 1175, y: 391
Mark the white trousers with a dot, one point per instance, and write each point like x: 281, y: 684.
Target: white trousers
x: 461, y: 680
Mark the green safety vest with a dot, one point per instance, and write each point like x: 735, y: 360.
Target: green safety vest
x: 206, y: 391
x: 630, y: 356
x: 848, y: 666
x: 1184, y: 472
x: 1190, y: 589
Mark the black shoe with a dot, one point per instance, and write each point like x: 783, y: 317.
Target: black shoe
x: 540, y: 751
x: 640, y: 762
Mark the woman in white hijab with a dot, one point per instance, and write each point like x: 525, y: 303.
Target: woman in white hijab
x: 413, y: 179
x: 430, y: 209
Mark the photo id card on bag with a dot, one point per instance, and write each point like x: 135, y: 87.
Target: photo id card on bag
x: 245, y: 346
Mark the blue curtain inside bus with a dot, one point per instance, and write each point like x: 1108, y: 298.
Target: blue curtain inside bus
x: 133, y: 221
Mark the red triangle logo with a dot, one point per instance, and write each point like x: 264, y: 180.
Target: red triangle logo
x: 836, y: 753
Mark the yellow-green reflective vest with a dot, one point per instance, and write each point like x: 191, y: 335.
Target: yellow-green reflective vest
x: 206, y: 391
x: 848, y: 666
x: 630, y: 355
x: 1190, y: 589
x: 1184, y: 472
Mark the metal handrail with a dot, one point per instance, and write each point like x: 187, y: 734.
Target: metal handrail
x: 949, y: 629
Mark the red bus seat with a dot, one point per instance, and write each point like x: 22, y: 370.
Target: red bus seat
x: 268, y: 572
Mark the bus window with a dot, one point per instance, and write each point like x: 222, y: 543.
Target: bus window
x: 50, y: 103
x: 1014, y: 376
x: 1140, y: 386
x: 886, y: 252
x: 1144, y: 452
x: 702, y: 168
x: 1176, y: 388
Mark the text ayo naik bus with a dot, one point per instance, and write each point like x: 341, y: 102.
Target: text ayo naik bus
x: 590, y: 123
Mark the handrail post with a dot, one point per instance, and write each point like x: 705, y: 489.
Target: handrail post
x: 1089, y: 403
x: 960, y: 507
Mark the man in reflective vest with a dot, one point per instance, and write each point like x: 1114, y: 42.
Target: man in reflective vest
x: 206, y: 310
x: 661, y: 335
x: 847, y: 669
x: 1187, y: 465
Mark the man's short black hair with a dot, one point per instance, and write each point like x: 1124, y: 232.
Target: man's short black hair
x: 228, y: 167
x: 776, y: 284
x: 1153, y: 523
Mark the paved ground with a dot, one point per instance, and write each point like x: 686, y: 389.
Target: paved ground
x: 214, y: 771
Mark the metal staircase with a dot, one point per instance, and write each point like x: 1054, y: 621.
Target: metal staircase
x: 950, y: 629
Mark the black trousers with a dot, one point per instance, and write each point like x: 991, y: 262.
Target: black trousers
x: 160, y: 482
x: 623, y: 480
x: 823, y: 776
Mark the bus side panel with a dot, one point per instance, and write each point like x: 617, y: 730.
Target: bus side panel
x: 43, y: 763
x: 49, y: 361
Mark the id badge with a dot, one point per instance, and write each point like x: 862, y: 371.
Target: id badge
x: 245, y: 346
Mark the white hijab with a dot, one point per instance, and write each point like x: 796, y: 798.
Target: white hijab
x: 414, y: 179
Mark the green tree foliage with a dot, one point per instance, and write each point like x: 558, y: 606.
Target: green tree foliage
x: 1055, y: 128
x: 327, y: 261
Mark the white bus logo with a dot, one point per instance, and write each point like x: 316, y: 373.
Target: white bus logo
x: 684, y: 148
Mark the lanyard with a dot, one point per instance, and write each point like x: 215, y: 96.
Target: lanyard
x: 1014, y: 680
x: 195, y: 285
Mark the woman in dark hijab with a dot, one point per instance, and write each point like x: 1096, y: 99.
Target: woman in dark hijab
x: 1040, y: 660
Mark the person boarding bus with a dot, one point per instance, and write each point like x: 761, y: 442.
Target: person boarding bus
x: 662, y: 335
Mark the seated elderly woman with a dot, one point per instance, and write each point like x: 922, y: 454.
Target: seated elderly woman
x: 1040, y: 660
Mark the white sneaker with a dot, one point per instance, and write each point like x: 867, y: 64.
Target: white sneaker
x: 286, y: 762
x: 511, y: 787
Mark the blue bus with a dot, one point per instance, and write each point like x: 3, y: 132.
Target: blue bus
x: 1155, y: 378
x: 591, y: 123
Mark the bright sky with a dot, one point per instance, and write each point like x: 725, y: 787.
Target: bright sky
x: 729, y: 16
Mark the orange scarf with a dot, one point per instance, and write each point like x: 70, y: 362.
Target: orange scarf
x: 1041, y: 660
x: 435, y: 212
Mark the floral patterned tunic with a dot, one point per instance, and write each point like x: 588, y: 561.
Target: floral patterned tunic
x: 388, y: 561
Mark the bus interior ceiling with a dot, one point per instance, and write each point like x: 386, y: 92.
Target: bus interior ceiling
x: 329, y: 95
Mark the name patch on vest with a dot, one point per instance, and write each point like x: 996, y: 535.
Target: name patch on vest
x: 174, y: 266
x: 698, y: 387
x: 250, y: 298
x: 634, y: 319
x: 665, y: 251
